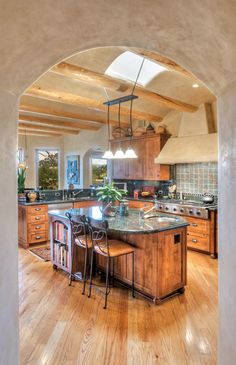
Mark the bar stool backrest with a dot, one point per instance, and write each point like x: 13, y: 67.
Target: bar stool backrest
x: 99, y: 234
x: 78, y: 228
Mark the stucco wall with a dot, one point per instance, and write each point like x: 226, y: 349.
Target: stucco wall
x: 79, y: 145
x: 227, y: 231
x: 200, y: 36
x: 8, y: 227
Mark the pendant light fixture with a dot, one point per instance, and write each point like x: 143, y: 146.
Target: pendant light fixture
x: 108, y: 153
x: 22, y: 162
x: 130, y: 153
x: 119, y: 153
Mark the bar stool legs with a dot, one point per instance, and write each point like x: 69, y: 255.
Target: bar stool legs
x: 91, y: 274
x: 85, y: 269
x: 107, y: 281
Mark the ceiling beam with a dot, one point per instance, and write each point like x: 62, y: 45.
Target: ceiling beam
x: 164, y: 61
x: 55, y: 123
x: 73, y: 99
x: 47, y: 129
x: 210, y: 118
x: 29, y: 108
x: 95, y: 78
x: 38, y: 134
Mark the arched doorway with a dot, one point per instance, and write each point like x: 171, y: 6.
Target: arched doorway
x: 184, y: 43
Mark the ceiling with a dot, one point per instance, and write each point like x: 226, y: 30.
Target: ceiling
x: 69, y: 97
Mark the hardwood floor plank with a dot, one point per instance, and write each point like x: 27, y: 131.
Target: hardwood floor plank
x: 59, y: 326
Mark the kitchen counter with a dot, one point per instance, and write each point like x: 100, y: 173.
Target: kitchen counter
x: 132, y: 223
x: 58, y: 201
x: 159, y: 250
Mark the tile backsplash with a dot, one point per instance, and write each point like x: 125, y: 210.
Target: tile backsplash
x: 197, y: 178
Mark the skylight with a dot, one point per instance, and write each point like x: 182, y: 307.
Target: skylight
x: 127, y: 65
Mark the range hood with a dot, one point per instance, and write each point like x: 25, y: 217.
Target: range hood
x: 202, y: 148
x: 194, y: 142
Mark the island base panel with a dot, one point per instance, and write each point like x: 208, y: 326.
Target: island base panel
x: 160, y: 263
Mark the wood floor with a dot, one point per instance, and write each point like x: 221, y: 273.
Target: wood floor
x: 59, y: 326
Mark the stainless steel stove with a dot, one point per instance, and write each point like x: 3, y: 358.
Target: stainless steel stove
x: 188, y: 208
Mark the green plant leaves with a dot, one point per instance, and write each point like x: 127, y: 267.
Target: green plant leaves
x: 108, y: 193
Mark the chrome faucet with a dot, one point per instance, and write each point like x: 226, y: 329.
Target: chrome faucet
x: 75, y: 193
x: 143, y: 213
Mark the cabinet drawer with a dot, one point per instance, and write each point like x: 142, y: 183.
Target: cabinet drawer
x: 40, y: 227
x: 199, y: 242
x: 38, y: 209
x: 37, y: 218
x: 84, y: 204
x: 38, y: 237
x: 139, y: 204
x: 198, y: 225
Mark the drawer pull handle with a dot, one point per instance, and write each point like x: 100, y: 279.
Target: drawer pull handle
x: 194, y: 241
x: 195, y: 225
x: 37, y: 209
x: 37, y: 218
x: 38, y: 237
x: 38, y: 227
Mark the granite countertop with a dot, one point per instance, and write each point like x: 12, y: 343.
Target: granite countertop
x: 58, y: 201
x: 132, y: 223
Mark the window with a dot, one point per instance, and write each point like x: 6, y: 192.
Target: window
x: 99, y: 170
x: 126, y: 67
x: 47, y: 169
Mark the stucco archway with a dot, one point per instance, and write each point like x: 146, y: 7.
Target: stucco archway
x: 34, y: 36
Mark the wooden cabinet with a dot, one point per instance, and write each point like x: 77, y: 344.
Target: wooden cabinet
x: 153, y: 146
x: 139, y: 204
x: 202, y: 234
x: 147, y: 149
x: 160, y: 262
x: 32, y: 224
x: 120, y: 167
x: 85, y: 204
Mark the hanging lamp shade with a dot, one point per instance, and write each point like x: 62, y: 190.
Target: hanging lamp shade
x: 119, y: 153
x: 130, y: 153
x: 108, y: 154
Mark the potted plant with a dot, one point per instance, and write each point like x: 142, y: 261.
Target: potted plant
x: 21, y: 182
x: 108, y: 194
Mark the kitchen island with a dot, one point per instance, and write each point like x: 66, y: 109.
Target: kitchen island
x: 160, y: 250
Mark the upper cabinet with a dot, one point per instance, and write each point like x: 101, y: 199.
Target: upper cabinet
x: 142, y: 168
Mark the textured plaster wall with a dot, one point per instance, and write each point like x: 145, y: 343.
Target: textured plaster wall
x: 34, y: 143
x: 35, y: 35
x: 8, y: 228
x: 79, y: 145
x: 227, y: 231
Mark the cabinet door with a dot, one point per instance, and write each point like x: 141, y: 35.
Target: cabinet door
x: 139, y: 204
x: 153, y: 171
x: 120, y: 167
x: 85, y: 204
x: 136, y: 165
x: 152, y: 149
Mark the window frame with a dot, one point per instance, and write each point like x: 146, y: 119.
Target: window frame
x: 37, y: 161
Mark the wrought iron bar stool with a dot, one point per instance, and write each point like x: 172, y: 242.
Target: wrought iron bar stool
x: 109, y: 248
x: 80, y: 238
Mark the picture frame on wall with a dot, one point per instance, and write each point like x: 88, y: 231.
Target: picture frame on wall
x: 73, y: 169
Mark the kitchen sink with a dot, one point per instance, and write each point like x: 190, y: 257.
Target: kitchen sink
x: 157, y: 218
